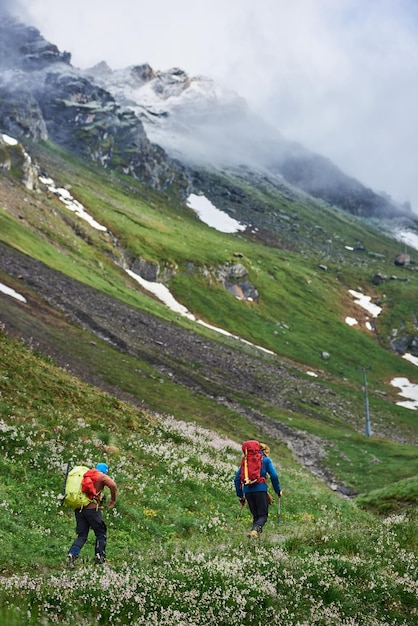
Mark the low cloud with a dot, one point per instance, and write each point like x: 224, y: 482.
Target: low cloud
x: 13, y: 7
x: 340, y: 77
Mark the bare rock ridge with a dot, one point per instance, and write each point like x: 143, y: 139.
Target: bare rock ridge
x: 159, y: 127
x: 43, y: 97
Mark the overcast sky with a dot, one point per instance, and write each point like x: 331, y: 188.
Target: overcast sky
x: 340, y: 76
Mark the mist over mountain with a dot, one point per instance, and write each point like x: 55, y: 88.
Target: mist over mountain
x: 158, y: 126
x: 201, y: 123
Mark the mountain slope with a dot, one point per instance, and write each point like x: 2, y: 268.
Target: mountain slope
x: 298, y: 258
x: 43, y: 96
x: 197, y: 367
x: 177, y: 547
x: 98, y: 114
x: 132, y: 332
x: 205, y: 125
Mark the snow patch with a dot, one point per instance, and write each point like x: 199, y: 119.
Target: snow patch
x: 365, y: 302
x: 410, y: 357
x: 406, y: 237
x: 408, y: 390
x: 11, y: 292
x: 351, y: 321
x: 71, y: 203
x: 9, y: 140
x: 212, y: 216
x: 163, y: 294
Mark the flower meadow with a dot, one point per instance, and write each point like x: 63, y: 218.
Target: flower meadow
x: 178, y: 551
x: 238, y: 584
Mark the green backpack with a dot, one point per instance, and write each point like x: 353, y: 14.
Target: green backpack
x: 74, y: 497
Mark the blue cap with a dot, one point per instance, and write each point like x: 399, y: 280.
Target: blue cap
x: 102, y: 467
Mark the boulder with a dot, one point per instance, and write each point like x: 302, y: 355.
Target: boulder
x: 148, y: 270
x: 402, y: 259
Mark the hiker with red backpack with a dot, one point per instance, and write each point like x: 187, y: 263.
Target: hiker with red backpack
x: 250, y: 483
x: 89, y: 515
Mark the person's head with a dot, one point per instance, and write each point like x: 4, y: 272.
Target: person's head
x: 265, y: 448
x: 102, y: 467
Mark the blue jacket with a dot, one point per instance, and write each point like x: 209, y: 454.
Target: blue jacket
x: 267, y: 468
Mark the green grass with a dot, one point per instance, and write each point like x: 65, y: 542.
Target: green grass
x: 301, y: 310
x: 177, y: 548
x: 399, y: 496
x: 178, y: 551
x: 300, y: 313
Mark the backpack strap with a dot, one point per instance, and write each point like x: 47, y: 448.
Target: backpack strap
x: 246, y: 478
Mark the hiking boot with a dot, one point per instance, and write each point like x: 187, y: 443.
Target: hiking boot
x: 99, y: 559
x: 71, y: 561
x: 253, y: 533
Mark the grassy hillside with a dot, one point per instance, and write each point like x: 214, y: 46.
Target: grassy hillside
x: 166, y: 402
x: 300, y: 305
x: 177, y: 547
x: 300, y: 313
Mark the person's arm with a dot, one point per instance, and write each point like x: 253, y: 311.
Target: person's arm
x: 238, y: 485
x: 274, y: 477
x: 108, y: 482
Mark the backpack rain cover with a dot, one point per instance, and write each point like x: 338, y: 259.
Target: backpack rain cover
x: 74, y: 494
x: 251, y: 463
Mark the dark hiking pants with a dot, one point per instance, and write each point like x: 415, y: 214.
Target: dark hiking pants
x: 86, y: 519
x: 259, y: 507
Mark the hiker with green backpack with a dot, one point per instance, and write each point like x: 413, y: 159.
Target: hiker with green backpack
x: 84, y: 493
x: 251, y: 486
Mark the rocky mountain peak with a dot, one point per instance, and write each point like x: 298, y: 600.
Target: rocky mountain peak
x: 157, y: 126
x: 42, y: 96
x: 204, y: 124
x: 24, y: 47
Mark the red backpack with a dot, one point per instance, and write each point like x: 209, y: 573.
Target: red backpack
x: 251, y: 463
x: 88, y: 481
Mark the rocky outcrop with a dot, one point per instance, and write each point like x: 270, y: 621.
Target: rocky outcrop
x: 402, y: 259
x: 43, y: 97
x: 233, y: 277
x: 100, y: 115
x: 22, y: 47
x: 148, y: 270
x: 151, y: 271
x: 14, y: 159
x: 20, y: 114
